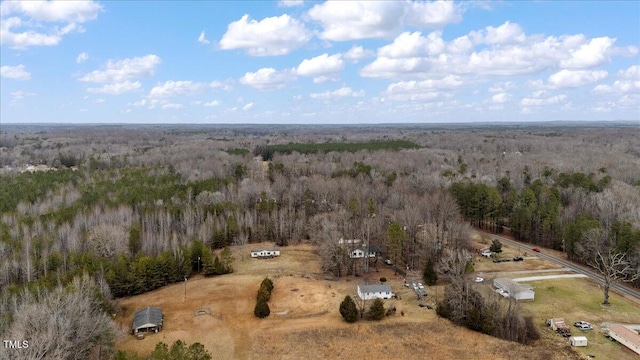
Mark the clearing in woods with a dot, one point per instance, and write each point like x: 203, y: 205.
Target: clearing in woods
x: 304, y: 320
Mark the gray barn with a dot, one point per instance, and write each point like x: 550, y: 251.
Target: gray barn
x: 148, y: 319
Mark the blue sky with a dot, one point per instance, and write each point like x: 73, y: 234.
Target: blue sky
x: 318, y: 62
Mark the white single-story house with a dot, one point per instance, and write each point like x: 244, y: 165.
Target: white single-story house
x: 364, y: 251
x: 627, y: 335
x: 370, y: 292
x: 148, y: 319
x: 578, y: 340
x: 515, y: 290
x: 265, y: 253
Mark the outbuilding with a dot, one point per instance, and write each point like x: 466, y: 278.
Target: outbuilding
x: 578, y: 340
x: 148, y: 319
x: 515, y: 290
x: 265, y: 253
x: 370, y: 292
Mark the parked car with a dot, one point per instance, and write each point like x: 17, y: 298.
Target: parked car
x: 497, y: 261
x: 536, y: 249
x: 479, y: 279
x: 518, y: 258
x: 585, y: 327
x: 388, y: 262
x: 420, y: 286
x: 503, y: 293
x: 578, y: 323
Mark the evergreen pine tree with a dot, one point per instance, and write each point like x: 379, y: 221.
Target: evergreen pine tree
x: 262, y: 309
x: 430, y: 275
x: 348, y: 309
x: 376, y: 311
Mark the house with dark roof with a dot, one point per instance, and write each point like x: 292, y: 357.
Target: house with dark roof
x: 149, y: 319
x: 370, y: 292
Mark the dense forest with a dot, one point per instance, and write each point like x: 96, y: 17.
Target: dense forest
x: 111, y: 211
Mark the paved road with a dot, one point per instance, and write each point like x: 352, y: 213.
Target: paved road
x: 619, y: 288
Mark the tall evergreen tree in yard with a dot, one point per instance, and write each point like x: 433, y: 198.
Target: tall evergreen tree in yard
x: 376, y: 311
x: 226, y: 260
x: 430, y: 275
x: 496, y: 246
x: 208, y: 267
x: 348, y: 309
x: 217, y: 266
x: 262, y: 309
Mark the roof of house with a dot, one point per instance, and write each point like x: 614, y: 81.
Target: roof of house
x: 511, y: 286
x: 579, y: 338
x: 266, y: 249
x: 628, y: 332
x: 147, y: 317
x: 375, y: 288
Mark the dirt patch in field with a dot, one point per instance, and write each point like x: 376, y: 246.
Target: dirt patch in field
x: 304, y: 321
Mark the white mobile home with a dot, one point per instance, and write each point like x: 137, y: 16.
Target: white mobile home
x: 627, y: 335
x: 370, y: 292
x: 265, y: 253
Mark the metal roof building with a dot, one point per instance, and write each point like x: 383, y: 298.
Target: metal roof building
x: 516, y: 290
x: 148, y: 319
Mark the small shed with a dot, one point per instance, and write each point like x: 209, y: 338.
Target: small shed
x: 265, y: 253
x: 148, y: 319
x: 578, y: 341
x: 370, y: 292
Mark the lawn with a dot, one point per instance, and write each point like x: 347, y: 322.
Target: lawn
x: 580, y: 299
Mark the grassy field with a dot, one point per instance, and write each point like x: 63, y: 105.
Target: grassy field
x: 305, y: 322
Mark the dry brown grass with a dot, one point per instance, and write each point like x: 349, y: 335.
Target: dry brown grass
x: 304, y: 321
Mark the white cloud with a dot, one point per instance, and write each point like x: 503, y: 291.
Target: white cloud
x: 202, y: 39
x: 633, y: 72
x: 591, y: 54
x: 270, y: 36
x: 502, y: 86
x: 53, y: 11
x: 212, y: 103
x: 37, y: 16
x: 340, y: 93
x: 447, y: 83
x: 290, y: 3
x: 226, y: 85
x: 175, y: 88
x: 322, y: 67
x: 618, y: 87
x: 19, y: 95
x: 432, y: 14
x: 267, y: 79
x: 82, y: 57
x: 116, y: 88
x: 121, y: 70
x: 357, y: 53
x: 413, y: 44
x: 100, y: 101
x: 570, y: 78
x: 171, y: 106
x: 540, y: 102
x: 353, y: 20
x: 14, y: 72
x: 501, y: 98
x: 247, y: 106
x: 507, y: 33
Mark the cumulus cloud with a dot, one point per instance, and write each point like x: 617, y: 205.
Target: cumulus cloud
x: 14, y: 72
x: 546, y: 101
x: 357, y: 53
x: 501, y: 98
x: 618, y: 87
x: 247, y: 106
x: 36, y: 17
x: 175, y: 88
x: 278, y: 35
x: 633, y: 72
x: 290, y: 3
x: 212, y: 103
x: 575, y: 78
x: 322, y: 67
x: 202, y: 39
x: 340, y: 93
x: 267, y: 79
x: 20, y: 95
x: 82, y: 57
x: 171, y: 106
x: 353, y: 20
x: 121, y: 70
x: 493, y: 51
x: 116, y: 88
x: 226, y: 85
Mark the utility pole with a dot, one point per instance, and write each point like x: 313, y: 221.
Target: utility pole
x: 185, y: 287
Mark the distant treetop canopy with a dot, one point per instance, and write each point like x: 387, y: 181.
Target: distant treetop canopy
x: 267, y: 151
